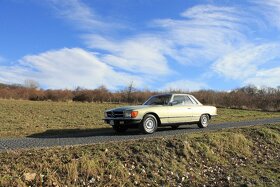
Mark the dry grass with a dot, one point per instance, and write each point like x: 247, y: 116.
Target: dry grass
x: 226, y: 115
x: 246, y: 156
x: 23, y: 118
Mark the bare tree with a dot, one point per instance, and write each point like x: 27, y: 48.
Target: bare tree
x: 102, y: 94
x: 29, y: 83
x: 129, y: 90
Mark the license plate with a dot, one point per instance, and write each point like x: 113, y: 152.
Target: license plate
x: 121, y: 122
x: 112, y: 122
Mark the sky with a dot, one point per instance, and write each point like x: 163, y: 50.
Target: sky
x: 154, y: 44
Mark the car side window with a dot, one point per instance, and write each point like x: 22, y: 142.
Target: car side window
x: 188, y: 101
x: 182, y: 100
x: 179, y: 100
x: 193, y: 100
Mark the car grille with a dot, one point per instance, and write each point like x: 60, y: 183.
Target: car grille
x: 115, y: 114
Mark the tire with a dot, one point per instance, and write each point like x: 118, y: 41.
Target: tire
x: 174, y: 127
x: 149, y: 124
x: 203, y: 121
x: 120, y: 128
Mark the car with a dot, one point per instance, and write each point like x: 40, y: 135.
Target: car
x: 161, y: 110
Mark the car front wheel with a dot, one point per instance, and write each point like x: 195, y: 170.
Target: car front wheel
x: 204, y: 121
x: 149, y: 124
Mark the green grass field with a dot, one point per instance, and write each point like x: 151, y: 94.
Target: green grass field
x: 23, y: 118
x: 234, y: 157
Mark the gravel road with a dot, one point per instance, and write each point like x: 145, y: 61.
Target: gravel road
x: 53, y: 138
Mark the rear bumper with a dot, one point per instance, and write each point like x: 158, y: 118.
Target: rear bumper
x: 214, y: 116
x: 122, y: 121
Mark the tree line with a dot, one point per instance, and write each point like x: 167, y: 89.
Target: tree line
x: 248, y: 97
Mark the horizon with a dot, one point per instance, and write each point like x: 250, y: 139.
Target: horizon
x: 159, y: 45
x: 35, y: 85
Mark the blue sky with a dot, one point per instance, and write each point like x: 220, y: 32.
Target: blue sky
x: 157, y: 44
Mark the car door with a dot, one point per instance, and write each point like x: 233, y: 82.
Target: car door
x: 196, y: 108
x: 181, y: 109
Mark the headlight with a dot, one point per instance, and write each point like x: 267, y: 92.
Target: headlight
x: 130, y: 114
x: 127, y: 114
x: 105, y: 114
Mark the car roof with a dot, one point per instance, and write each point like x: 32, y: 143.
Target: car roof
x: 169, y: 94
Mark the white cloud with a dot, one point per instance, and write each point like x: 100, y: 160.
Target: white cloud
x: 185, y: 85
x: 79, y: 13
x: 205, y: 36
x: 204, y: 33
x: 245, y: 64
x: 13, y: 74
x: 270, y: 9
x: 67, y: 68
x: 269, y: 77
x: 141, y: 54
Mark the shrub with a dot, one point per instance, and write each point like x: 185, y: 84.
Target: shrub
x: 248, y: 97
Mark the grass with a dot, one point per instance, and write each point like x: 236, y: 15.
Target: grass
x: 23, y: 118
x: 235, y: 157
x: 225, y: 114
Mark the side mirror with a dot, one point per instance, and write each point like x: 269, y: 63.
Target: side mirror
x: 173, y: 103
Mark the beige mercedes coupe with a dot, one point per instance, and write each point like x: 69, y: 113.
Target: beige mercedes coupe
x: 161, y: 110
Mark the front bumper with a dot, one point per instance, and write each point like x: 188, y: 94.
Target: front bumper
x: 122, y: 121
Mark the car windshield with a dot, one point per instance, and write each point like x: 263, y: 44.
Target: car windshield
x: 158, y: 100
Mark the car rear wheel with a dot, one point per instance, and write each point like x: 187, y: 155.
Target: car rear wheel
x: 204, y: 121
x: 149, y: 124
x: 120, y: 128
x: 174, y: 127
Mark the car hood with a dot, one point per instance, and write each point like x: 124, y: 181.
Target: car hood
x: 136, y: 107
